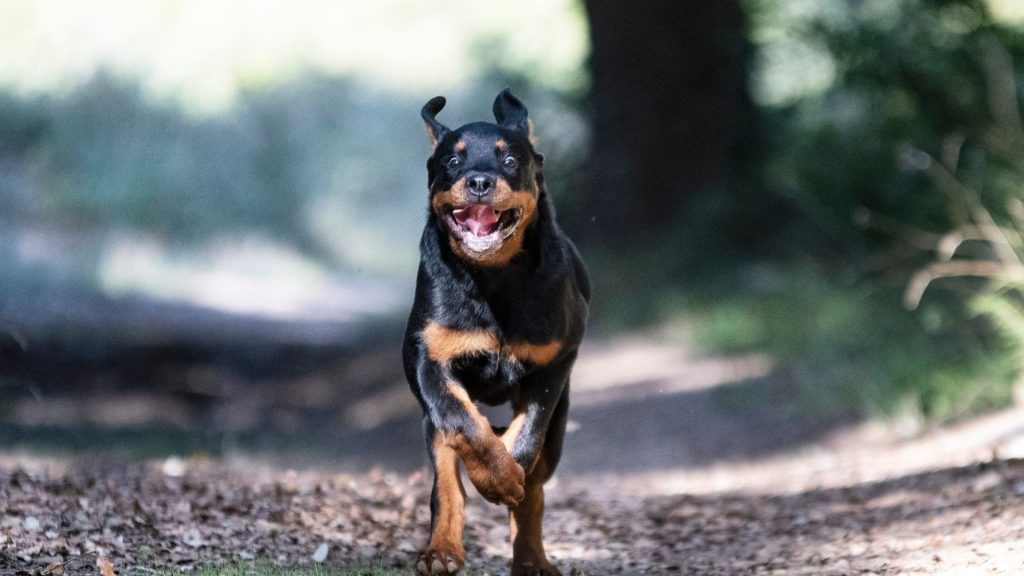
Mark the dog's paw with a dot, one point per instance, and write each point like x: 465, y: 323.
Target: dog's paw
x: 438, y: 563
x: 530, y: 569
x: 498, y: 477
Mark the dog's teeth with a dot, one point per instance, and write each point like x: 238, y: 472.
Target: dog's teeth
x: 452, y: 566
x: 421, y: 567
x: 437, y: 567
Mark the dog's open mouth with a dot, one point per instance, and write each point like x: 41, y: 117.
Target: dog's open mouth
x: 480, y: 227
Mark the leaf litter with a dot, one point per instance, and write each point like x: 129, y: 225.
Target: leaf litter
x: 134, y: 517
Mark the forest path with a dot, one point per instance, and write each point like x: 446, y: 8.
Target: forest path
x: 662, y: 474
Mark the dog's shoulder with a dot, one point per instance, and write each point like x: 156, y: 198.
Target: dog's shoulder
x: 562, y: 258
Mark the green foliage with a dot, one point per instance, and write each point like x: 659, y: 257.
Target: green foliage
x: 1007, y: 312
x: 857, y: 101
x: 854, y: 349
x: 106, y: 158
x: 905, y: 72
x: 322, y: 164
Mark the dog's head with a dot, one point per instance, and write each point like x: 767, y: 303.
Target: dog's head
x: 485, y: 180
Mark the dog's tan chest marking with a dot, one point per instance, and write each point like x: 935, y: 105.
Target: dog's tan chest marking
x: 537, y: 354
x: 447, y: 344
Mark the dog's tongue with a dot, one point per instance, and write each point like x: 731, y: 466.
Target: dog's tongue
x: 481, y: 220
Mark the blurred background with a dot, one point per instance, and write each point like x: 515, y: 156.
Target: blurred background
x: 798, y: 215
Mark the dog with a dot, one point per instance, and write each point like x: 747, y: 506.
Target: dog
x: 500, y: 309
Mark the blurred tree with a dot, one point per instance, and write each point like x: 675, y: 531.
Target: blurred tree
x: 668, y: 98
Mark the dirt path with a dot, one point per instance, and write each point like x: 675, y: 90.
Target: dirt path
x: 953, y: 521
x: 658, y: 478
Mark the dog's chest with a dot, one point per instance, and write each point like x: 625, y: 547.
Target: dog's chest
x: 489, y: 377
x: 491, y: 372
x: 487, y: 361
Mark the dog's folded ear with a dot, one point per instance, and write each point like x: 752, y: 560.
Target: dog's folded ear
x: 435, y: 129
x: 511, y: 113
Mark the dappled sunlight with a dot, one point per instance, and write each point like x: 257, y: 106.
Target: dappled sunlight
x: 108, y: 410
x: 254, y: 277
x: 41, y: 248
x: 211, y: 217
x: 852, y: 454
x: 639, y: 366
x: 205, y: 54
x: 1009, y: 11
x: 392, y: 405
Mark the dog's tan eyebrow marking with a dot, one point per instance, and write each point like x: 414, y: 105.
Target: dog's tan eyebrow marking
x: 460, y: 146
x: 501, y: 145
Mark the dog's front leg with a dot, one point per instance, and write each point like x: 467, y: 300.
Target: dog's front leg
x: 460, y: 427
x: 445, y: 554
x: 540, y: 407
x: 455, y: 430
x: 534, y: 438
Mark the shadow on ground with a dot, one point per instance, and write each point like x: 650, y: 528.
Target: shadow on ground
x: 134, y: 378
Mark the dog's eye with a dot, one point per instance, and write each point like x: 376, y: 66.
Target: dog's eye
x: 510, y: 162
x: 454, y: 162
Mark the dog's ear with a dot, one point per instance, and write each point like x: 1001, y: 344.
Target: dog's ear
x: 511, y: 113
x: 435, y: 129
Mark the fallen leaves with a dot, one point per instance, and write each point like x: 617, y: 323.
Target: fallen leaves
x: 104, y: 566
x: 139, y: 517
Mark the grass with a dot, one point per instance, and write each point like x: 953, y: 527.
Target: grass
x: 260, y: 569
x: 256, y: 568
x: 845, y: 348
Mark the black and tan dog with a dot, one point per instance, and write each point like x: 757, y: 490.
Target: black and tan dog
x: 501, y: 304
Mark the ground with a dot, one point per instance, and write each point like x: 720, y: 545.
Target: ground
x: 664, y: 473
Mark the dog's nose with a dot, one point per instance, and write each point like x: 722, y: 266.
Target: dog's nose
x: 479, y: 185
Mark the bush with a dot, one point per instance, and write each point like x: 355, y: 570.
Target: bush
x: 320, y: 164
x: 861, y: 104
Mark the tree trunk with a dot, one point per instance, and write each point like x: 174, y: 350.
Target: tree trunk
x: 667, y: 101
